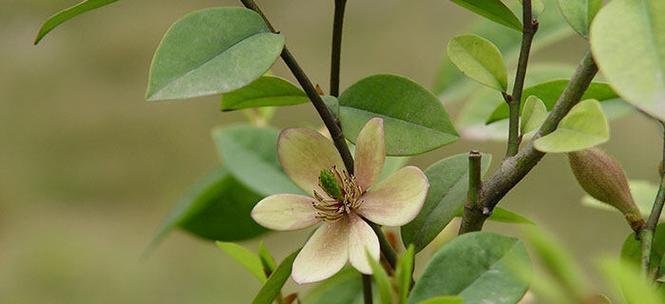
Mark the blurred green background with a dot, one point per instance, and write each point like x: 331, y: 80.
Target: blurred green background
x: 88, y: 169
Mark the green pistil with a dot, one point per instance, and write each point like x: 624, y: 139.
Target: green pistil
x: 329, y: 182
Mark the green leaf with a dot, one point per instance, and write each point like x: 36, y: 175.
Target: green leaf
x: 643, y: 192
x: 631, y: 251
x: 217, y: 208
x: 580, y: 13
x: 445, y: 199
x: 477, y: 267
x: 451, y: 85
x: 391, y: 165
x: 250, y: 154
x: 533, y: 114
x: 537, y: 8
x: 187, y: 64
x: 414, y: 120
x: 506, y: 216
x: 266, y: 258
x: 381, y: 280
x: 276, y: 281
x: 246, y: 258
x: 343, y: 288
x: 493, y: 10
x: 69, y: 13
x: 267, y: 91
x: 584, y: 127
x: 472, y: 117
x: 480, y: 60
x: 626, y: 279
x: 628, y: 46
x: 403, y: 273
x: 550, y: 91
x: 444, y: 300
x: 558, y: 263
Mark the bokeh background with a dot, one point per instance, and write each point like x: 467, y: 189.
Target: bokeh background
x: 88, y: 169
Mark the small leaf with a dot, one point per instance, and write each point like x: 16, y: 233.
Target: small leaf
x: 267, y: 91
x: 480, y: 60
x: 276, y: 281
x: 381, y: 280
x: 415, y: 122
x: 267, y: 260
x: 477, y: 267
x: 584, y: 127
x: 69, y: 13
x: 451, y: 85
x: 343, y: 288
x: 533, y: 114
x: 493, y: 10
x: 631, y: 250
x: 550, y: 91
x: 636, y: 70
x: 643, y: 192
x: 246, y: 258
x: 187, y: 64
x: 250, y: 154
x: 445, y: 199
x: 627, y: 280
x: 444, y: 300
x: 217, y: 208
x: 506, y: 216
x: 403, y: 273
x: 580, y: 13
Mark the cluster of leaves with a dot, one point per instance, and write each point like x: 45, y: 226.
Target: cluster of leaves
x: 229, y: 52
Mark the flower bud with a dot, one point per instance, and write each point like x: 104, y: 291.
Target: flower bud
x: 601, y: 176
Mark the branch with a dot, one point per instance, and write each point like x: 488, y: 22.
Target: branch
x: 529, y: 29
x: 648, y: 232
x: 335, y: 57
x: 386, y: 249
x: 471, y: 206
x: 514, y: 169
x: 328, y: 118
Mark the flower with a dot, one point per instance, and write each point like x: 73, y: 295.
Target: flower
x: 340, y: 201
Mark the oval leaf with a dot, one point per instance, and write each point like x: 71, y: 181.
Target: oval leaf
x: 480, y: 60
x: 276, y: 281
x: 445, y: 199
x: 444, y: 300
x: 246, y: 258
x: 414, y: 120
x: 69, y: 13
x: 635, y: 69
x: 584, y: 127
x: 533, y: 114
x: 187, y: 64
x: 580, y: 13
x: 343, y: 288
x: 550, y: 91
x: 493, y: 10
x: 217, y: 208
x: 631, y: 251
x: 477, y: 267
x: 267, y: 91
x: 250, y: 154
x: 627, y: 280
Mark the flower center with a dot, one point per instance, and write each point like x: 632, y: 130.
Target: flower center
x: 343, y: 195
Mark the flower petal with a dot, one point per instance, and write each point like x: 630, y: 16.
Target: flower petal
x: 362, y: 239
x: 370, y: 153
x: 397, y: 199
x: 285, y: 212
x: 325, y: 253
x: 303, y: 153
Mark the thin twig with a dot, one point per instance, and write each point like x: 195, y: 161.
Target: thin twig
x: 514, y: 169
x: 328, y: 118
x: 648, y: 233
x: 367, y: 288
x: 471, y: 206
x: 529, y: 29
x: 335, y: 57
x: 386, y: 249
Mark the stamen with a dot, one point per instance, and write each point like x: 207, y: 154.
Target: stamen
x: 341, y: 195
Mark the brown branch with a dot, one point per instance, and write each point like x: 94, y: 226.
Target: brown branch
x: 471, y: 207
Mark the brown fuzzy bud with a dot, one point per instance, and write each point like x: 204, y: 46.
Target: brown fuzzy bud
x: 601, y: 176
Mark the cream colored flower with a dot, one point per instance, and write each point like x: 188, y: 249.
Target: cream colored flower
x: 339, y: 201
